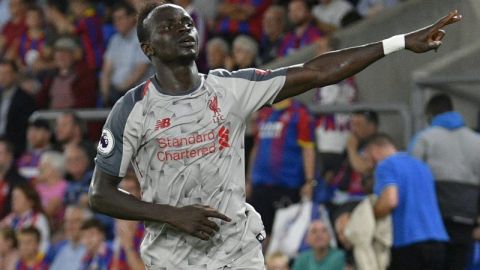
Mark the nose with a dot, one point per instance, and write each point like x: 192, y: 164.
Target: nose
x: 184, y: 27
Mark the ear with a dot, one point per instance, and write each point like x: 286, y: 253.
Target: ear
x: 147, y: 49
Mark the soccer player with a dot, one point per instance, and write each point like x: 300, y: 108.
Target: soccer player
x: 183, y: 132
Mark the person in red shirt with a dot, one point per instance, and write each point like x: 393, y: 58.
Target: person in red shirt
x: 15, y: 27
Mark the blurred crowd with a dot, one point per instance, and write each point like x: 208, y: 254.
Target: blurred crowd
x: 313, y: 177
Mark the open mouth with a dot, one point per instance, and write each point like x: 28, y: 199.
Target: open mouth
x: 187, y: 41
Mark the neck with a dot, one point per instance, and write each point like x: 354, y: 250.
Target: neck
x: 31, y: 260
x: 321, y: 253
x: 64, y: 71
x: 300, y: 30
x: 176, y: 78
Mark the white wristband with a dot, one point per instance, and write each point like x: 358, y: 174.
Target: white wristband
x: 393, y: 44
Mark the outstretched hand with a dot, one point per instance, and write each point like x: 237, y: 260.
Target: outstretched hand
x: 430, y: 37
x: 194, y: 220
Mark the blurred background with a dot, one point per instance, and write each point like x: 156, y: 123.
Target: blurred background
x: 64, y: 64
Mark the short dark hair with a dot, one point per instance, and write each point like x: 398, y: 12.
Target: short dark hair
x: 380, y: 139
x: 370, y: 115
x: 93, y: 223
x: 9, y: 234
x: 438, y: 104
x: 32, y: 195
x: 60, y: 5
x: 122, y: 5
x: 143, y: 33
x: 32, y: 231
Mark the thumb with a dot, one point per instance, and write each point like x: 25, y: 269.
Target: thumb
x: 434, y: 44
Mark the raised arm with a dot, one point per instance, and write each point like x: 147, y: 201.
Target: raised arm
x: 106, y: 198
x: 332, y: 67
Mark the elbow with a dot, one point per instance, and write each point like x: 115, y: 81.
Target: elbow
x: 96, y: 200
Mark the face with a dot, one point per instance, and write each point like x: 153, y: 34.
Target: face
x: 72, y: 223
x: 92, y: 239
x: 298, y: 12
x: 273, y: 23
x: 173, y: 36
x: 123, y: 22
x: 8, y: 77
x: 33, y: 19
x: 65, y: 126
x: 216, y: 57
x: 361, y: 127
x: 20, y: 202
x: 44, y: 171
x: 28, y: 245
x: 5, y: 245
x: 37, y: 137
x: 243, y: 57
x: 373, y: 153
x: 76, y: 162
x: 6, y: 158
x: 64, y: 59
x: 17, y: 8
x: 77, y: 8
x: 318, y: 236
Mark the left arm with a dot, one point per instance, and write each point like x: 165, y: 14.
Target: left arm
x: 387, y: 202
x: 332, y: 67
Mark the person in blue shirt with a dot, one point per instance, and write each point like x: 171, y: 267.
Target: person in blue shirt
x: 405, y: 189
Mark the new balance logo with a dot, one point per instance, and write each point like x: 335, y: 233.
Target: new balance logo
x: 162, y: 123
x: 223, y: 138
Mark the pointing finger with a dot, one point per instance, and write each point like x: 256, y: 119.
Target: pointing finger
x: 452, y: 17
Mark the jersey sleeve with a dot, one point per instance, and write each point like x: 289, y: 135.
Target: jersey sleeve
x: 252, y: 88
x: 120, y: 137
x: 384, y: 177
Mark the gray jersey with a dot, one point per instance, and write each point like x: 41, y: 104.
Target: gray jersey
x: 189, y: 149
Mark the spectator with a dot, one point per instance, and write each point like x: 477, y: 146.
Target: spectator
x: 51, y: 186
x: 8, y: 249
x: 70, y: 252
x: 27, y: 211
x: 15, y: 27
x: 241, y: 17
x: 98, y: 255
x: 72, y: 84
x: 277, y: 261
x: 321, y: 255
x: 245, y: 51
x: 305, y: 31
x: 31, y: 256
x: 329, y: 13
x: 369, y: 8
x: 88, y: 27
x: 9, y: 177
x: 16, y: 104
x: 282, y: 159
x: 79, y: 173
x: 70, y: 130
x: 452, y: 151
x: 29, y: 47
x: 39, y: 136
x: 273, y: 27
x: 346, y: 175
x: 217, y: 53
x: 129, y: 234
x: 124, y: 65
x: 405, y: 189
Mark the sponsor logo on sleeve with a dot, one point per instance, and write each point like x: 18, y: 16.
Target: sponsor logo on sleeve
x: 106, y: 143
